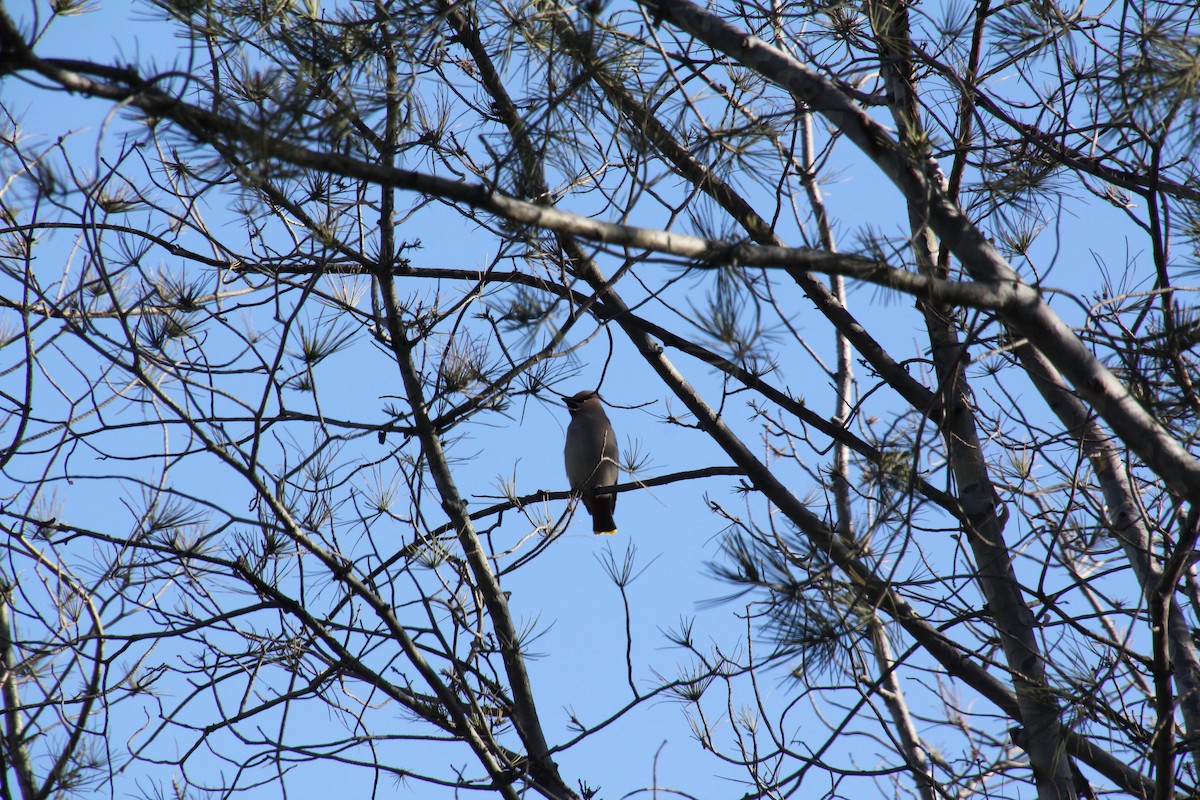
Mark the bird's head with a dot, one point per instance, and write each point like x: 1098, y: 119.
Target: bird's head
x: 583, y: 402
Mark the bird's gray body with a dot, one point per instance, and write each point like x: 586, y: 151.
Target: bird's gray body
x: 590, y: 456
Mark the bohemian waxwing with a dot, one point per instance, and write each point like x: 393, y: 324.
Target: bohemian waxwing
x: 591, y: 458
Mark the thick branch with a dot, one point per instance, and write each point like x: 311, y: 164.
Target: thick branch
x: 1031, y: 316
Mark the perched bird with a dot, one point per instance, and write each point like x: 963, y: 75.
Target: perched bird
x: 591, y: 458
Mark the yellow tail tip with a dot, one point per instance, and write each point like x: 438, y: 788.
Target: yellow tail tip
x: 605, y: 533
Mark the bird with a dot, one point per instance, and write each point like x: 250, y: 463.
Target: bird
x: 591, y: 458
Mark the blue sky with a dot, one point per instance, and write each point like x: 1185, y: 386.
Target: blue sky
x: 565, y: 594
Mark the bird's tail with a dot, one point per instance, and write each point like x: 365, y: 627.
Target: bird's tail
x: 601, y: 509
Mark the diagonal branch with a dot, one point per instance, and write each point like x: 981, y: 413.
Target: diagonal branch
x: 1031, y: 315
